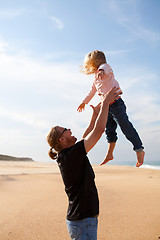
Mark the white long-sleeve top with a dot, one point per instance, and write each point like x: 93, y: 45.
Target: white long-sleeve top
x: 102, y: 86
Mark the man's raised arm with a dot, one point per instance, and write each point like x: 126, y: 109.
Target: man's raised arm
x: 98, y: 123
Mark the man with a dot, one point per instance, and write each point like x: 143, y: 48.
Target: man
x: 76, y: 170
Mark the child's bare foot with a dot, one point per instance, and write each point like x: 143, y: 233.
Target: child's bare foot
x: 107, y: 159
x: 140, y: 158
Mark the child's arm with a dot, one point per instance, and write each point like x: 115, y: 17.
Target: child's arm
x: 81, y: 107
x: 87, y: 99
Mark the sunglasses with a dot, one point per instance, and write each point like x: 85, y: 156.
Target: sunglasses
x: 65, y: 129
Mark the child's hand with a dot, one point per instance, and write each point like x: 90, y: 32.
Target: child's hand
x: 81, y: 107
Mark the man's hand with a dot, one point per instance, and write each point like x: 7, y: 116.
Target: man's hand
x: 96, y: 108
x: 112, y: 95
x: 81, y: 107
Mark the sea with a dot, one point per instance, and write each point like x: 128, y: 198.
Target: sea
x: 148, y: 165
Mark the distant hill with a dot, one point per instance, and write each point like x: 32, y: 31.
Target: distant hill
x: 10, y: 158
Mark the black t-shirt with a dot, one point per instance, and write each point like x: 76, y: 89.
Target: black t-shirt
x: 78, y: 177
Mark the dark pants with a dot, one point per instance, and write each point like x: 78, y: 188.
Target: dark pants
x: 117, y: 115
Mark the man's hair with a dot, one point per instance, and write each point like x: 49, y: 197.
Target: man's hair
x: 53, y: 141
x: 92, y: 61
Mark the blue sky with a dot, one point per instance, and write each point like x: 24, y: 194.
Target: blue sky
x: 42, y: 46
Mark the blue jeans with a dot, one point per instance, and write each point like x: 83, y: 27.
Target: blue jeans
x: 117, y: 114
x: 85, y: 229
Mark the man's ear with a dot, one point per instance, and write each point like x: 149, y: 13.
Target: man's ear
x: 61, y: 139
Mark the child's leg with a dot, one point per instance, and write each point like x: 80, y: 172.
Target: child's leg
x: 140, y: 158
x: 109, y: 155
x: 111, y: 136
x: 118, y: 110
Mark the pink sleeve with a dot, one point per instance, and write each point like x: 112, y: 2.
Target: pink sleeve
x: 106, y: 67
x: 90, y: 95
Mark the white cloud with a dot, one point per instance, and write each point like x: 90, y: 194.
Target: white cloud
x: 3, y: 47
x: 22, y: 116
x: 131, y: 20
x: 27, y: 83
x: 117, y: 53
x: 10, y: 13
x: 57, y: 22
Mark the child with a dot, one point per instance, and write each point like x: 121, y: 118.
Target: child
x: 95, y: 63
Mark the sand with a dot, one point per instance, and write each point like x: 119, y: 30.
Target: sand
x: 33, y: 202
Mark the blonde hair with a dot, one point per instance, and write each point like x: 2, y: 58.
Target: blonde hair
x: 92, y: 61
x: 53, y: 141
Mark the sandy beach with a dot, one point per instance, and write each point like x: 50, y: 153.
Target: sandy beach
x: 33, y: 202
